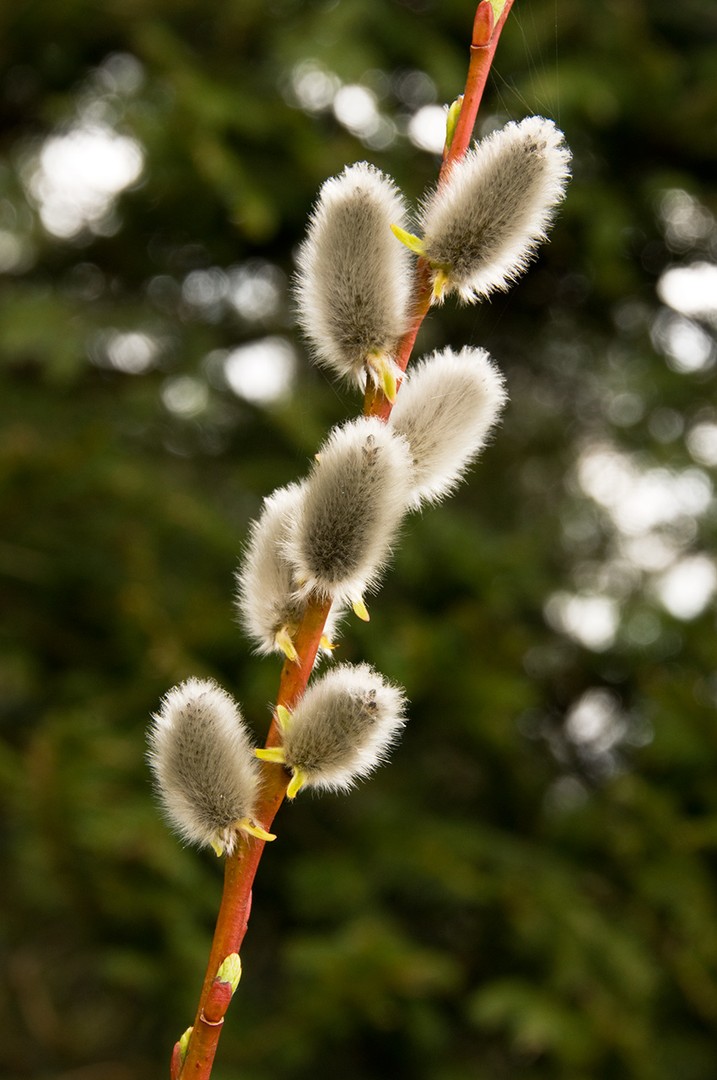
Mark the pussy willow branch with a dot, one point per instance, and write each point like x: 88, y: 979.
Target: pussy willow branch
x: 241, y: 866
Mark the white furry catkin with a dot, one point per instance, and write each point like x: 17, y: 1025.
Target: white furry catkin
x: 266, y: 591
x: 203, y: 761
x: 355, y: 498
x: 353, y: 278
x: 267, y: 600
x: 447, y: 406
x: 482, y: 226
x: 342, y: 728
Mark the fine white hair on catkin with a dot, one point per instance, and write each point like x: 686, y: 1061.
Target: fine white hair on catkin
x: 354, y: 278
x: 203, y: 762
x: 483, y: 225
x: 447, y: 406
x: 343, y: 727
x: 356, y: 496
x: 267, y: 598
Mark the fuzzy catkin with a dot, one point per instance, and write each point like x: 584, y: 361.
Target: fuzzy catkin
x: 343, y: 727
x: 355, y: 498
x: 447, y: 406
x: 202, y: 758
x: 483, y: 225
x: 267, y: 597
x: 353, y: 278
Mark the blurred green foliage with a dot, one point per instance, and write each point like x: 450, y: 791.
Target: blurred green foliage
x: 529, y: 889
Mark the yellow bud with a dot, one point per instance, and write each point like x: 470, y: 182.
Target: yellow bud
x: 284, y: 641
x: 452, y: 120
x: 230, y: 970
x: 440, y: 283
x: 283, y: 716
x: 274, y: 754
x: 361, y: 610
x: 412, y: 242
x: 184, y: 1042
x: 251, y: 827
x: 385, y: 371
x: 297, y: 782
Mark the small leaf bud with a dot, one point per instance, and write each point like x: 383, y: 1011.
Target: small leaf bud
x: 482, y: 225
x: 202, y: 759
x: 452, y: 117
x: 447, y: 406
x: 353, y: 280
x: 484, y: 23
x: 183, y: 1043
x: 342, y: 728
x: 230, y: 970
x: 355, y: 498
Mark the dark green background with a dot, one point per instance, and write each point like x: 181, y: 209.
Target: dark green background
x: 516, y: 895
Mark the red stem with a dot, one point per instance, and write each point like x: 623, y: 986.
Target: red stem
x: 242, y: 865
x: 483, y: 46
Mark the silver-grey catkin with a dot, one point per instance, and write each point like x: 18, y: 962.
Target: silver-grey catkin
x: 266, y: 591
x: 203, y: 762
x: 267, y: 597
x: 356, y: 496
x: 483, y: 225
x: 354, y: 278
x: 343, y: 727
x: 447, y: 406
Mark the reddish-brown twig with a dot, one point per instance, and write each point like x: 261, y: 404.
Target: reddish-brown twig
x: 486, y: 33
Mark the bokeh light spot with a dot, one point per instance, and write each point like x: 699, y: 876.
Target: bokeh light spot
x: 263, y: 371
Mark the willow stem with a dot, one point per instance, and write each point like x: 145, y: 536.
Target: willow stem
x: 241, y: 866
x: 486, y: 35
